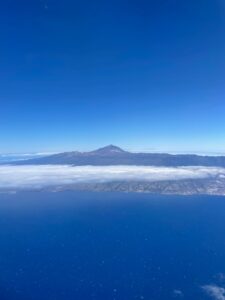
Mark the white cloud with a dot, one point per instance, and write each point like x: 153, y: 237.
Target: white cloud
x: 9, y: 157
x: 178, y: 293
x: 214, y: 291
x: 26, y: 154
x: 40, y: 176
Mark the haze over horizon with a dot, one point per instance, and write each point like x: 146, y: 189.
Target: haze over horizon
x: 10, y: 156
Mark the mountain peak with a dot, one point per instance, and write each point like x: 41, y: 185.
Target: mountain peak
x: 110, y: 149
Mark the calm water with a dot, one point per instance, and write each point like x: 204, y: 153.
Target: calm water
x: 109, y: 246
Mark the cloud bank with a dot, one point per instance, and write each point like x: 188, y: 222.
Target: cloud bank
x: 53, y: 175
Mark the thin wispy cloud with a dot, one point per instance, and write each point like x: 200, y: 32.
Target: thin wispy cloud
x: 9, y: 157
x: 26, y: 154
x: 178, y: 293
x: 214, y: 291
x: 50, y: 175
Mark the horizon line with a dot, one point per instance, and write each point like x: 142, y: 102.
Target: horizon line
x: 144, y: 150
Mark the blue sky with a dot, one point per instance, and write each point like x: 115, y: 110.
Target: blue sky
x: 145, y: 75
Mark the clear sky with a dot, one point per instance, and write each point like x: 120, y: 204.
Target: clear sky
x: 144, y: 75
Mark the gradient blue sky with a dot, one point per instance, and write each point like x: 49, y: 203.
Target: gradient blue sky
x: 145, y: 75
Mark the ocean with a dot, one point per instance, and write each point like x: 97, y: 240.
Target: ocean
x: 111, y: 246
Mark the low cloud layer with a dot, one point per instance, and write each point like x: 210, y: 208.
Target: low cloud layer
x: 41, y: 176
x: 215, y: 292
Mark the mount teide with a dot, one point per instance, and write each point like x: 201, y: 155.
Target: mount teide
x: 113, y: 155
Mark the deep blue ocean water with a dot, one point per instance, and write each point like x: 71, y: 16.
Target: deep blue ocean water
x: 110, y: 246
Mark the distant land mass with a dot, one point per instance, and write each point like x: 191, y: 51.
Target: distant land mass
x: 113, y: 155
x: 206, y: 186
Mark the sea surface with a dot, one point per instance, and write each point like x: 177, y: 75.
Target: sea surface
x: 111, y: 246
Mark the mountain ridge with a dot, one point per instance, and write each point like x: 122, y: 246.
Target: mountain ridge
x: 114, y: 155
